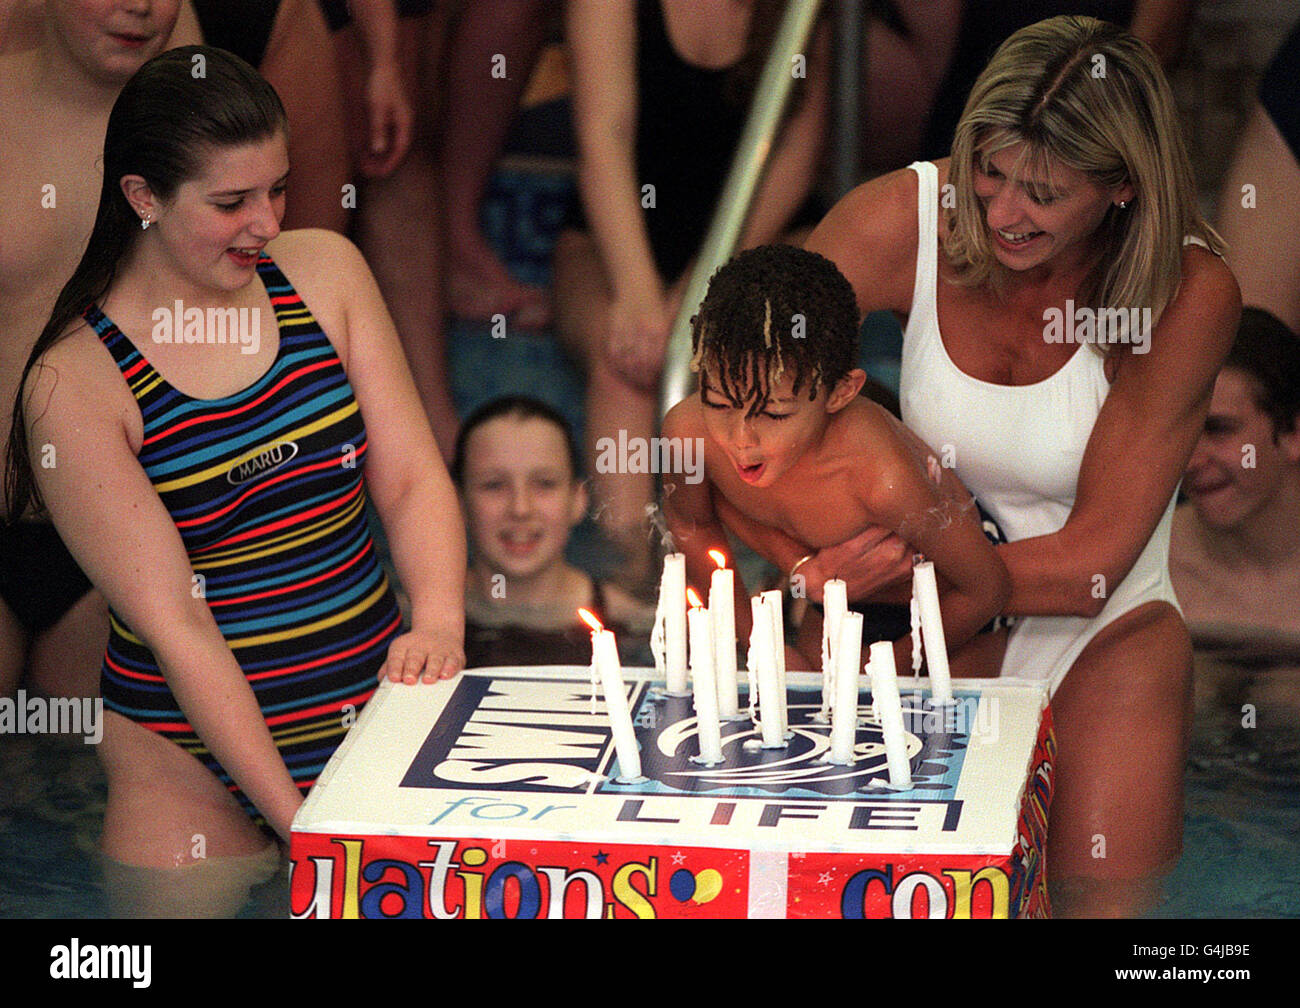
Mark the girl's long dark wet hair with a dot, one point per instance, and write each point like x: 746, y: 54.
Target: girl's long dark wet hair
x: 169, y: 116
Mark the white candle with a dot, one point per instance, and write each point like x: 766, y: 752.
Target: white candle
x: 835, y: 605
x: 936, y: 648
x: 848, y: 652
x: 705, y: 684
x: 668, y: 642
x: 777, y: 618
x: 722, y: 612
x: 757, y: 637
x: 762, y: 667
x: 915, y: 612
x: 889, y: 712
x: 604, y: 655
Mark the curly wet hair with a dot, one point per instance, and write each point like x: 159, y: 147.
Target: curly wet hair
x: 771, y: 309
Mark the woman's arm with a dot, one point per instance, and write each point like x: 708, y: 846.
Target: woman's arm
x: 1264, y: 244
x: 121, y: 535
x: 1136, y: 455
x: 789, y: 175
x: 602, y: 49
x: 904, y: 69
x: 405, y: 475
x: 388, y: 112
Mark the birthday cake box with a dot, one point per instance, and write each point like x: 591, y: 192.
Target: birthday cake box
x: 499, y: 794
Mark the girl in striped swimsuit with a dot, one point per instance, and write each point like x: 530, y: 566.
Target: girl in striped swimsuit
x: 205, y: 434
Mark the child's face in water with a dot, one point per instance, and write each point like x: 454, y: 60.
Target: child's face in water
x: 521, y: 497
x: 765, y: 446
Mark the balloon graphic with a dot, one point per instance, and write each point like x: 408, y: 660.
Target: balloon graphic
x: 707, y: 885
x: 682, y: 885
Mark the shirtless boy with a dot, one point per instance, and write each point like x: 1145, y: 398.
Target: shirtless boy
x: 54, y: 105
x: 796, y: 460
x: 1233, y: 554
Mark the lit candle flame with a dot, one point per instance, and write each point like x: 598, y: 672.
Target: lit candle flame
x: 694, y: 599
x: 589, y: 617
x: 719, y: 558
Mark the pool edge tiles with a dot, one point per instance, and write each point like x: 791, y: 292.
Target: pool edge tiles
x: 493, y: 785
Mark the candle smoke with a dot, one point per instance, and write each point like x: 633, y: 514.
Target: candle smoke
x: 655, y: 519
x: 940, y: 516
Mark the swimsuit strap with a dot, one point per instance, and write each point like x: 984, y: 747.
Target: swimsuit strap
x: 295, y: 322
x: 924, y: 290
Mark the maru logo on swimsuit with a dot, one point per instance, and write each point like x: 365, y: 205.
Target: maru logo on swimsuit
x: 262, y: 461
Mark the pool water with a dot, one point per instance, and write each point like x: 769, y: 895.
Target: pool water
x: 1241, y: 854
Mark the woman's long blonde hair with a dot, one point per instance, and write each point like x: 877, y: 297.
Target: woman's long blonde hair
x: 1085, y: 94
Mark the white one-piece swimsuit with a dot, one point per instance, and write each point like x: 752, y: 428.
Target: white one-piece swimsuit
x: 1018, y: 449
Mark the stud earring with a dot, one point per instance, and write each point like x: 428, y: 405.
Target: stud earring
x: 145, y: 222
x: 1123, y: 205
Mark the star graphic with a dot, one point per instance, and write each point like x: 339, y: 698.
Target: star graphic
x: 824, y: 878
x: 678, y: 857
x: 601, y: 857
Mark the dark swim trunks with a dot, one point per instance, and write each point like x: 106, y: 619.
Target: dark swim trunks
x: 39, y: 580
x: 242, y: 27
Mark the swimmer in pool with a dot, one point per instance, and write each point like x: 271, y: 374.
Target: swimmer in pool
x: 517, y: 469
x: 216, y: 490
x: 1233, y: 552
x: 55, y: 96
x: 795, y: 460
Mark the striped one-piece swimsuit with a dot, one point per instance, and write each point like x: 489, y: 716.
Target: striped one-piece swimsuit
x: 265, y: 487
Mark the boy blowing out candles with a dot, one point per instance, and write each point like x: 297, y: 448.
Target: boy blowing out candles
x: 795, y: 460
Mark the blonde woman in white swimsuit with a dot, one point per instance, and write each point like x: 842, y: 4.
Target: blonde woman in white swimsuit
x: 1068, y: 191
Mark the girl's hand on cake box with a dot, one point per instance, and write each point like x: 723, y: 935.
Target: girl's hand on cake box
x: 438, y: 654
